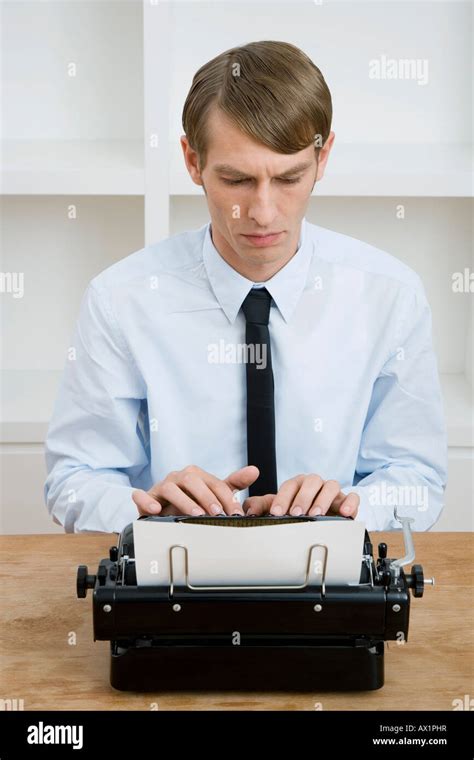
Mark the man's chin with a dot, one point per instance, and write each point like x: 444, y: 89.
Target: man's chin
x: 270, y: 253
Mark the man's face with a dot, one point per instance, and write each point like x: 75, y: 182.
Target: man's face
x: 252, y: 190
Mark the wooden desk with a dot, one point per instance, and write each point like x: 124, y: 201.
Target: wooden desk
x: 39, y: 614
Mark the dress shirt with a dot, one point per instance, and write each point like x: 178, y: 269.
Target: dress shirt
x: 156, y: 380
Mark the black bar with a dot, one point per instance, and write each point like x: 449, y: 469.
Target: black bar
x: 225, y: 733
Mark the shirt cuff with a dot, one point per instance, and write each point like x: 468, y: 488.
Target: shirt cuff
x: 111, y: 514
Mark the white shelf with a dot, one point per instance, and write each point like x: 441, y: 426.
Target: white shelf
x: 27, y: 403
x: 427, y: 170
x: 72, y: 167
x: 28, y: 398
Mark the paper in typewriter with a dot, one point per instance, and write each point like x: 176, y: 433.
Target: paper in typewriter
x: 275, y: 553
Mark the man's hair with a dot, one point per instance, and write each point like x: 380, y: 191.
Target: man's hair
x: 270, y: 90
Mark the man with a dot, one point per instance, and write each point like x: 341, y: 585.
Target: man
x: 164, y: 410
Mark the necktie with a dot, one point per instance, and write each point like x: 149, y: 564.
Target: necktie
x: 260, y: 388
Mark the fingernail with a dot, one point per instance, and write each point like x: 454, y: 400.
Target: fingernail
x: 296, y: 511
x: 276, y: 510
x: 197, y: 511
x: 216, y: 509
x: 154, y: 506
x: 318, y: 511
x: 237, y: 514
x: 251, y: 514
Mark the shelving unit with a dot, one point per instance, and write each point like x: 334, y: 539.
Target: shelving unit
x: 73, y: 167
x: 92, y: 170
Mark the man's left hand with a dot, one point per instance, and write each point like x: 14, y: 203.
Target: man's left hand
x: 305, y: 495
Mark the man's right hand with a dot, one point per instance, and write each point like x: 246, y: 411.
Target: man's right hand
x: 193, y: 491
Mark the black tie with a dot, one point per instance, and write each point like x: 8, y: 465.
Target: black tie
x: 260, y: 386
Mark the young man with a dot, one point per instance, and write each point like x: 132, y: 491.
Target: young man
x: 258, y: 352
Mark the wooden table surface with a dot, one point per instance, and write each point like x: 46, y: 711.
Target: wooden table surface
x: 40, y: 618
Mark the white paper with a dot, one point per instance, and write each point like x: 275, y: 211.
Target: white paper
x: 258, y: 555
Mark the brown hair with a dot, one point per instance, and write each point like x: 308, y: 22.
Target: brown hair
x: 270, y: 90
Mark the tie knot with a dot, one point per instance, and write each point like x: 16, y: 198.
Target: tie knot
x: 256, y: 306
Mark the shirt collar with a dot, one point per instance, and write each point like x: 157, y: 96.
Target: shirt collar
x: 230, y: 288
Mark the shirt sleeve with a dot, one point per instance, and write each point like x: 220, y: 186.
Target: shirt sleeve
x: 94, y: 443
x: 402, y: 458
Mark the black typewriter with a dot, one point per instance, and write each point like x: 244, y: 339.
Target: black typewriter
x: 301, y: 637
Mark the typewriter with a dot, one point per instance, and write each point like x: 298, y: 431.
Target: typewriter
x: 306, y: 636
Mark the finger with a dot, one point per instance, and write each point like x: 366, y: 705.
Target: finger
x: 150, y: 502
x: 304, y: 498
x: 193, y: 485
x: 325, y: 498
x: 225, y: 496
x: 146, y: 504
x: 236, y: 481
x: 173, y: 494
x: 172, y: 477
x: 256, y: 506
x: 347, y: 506
x: 242, y: 478
x: 286, y: 493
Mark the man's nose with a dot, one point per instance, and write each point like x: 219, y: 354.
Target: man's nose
x: 262, y: 208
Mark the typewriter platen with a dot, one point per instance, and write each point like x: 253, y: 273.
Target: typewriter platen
x: 301, y: 637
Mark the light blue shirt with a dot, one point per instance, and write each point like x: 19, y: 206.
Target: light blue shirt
x: 155, y: 380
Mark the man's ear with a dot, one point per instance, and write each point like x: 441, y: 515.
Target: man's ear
x: 191, y: 161
x: 324, y: 155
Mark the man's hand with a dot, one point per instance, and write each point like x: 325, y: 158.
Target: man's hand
x: 193, y: 491
x: 305, y: 495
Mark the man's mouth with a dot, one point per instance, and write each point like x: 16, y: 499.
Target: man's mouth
x: 261, y: 240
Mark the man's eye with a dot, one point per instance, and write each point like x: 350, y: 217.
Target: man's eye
x: 281, y: 179
x: 233, y: 181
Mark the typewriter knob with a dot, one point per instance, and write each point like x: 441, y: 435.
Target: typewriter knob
x: 382, y: 551
x: 416, y: 581
x: 84, y: 581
